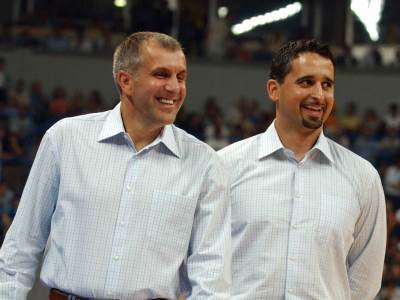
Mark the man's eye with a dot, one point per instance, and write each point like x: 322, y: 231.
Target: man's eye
x: 306, y: 82
x: 327, y: 85
x: 181, y: 78
x: 161, y: 75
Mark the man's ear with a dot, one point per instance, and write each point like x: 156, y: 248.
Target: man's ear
x: 125, y: 82
x: 273, y: 89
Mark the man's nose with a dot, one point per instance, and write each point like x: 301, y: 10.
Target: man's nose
x: 172, y: 85
x: 317, y: 92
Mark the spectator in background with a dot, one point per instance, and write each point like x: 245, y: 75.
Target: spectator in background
x: 346, y: 58
x: 392, y: 181
x: 397, y: 61
x: 94, y: 102
x: 389, y: 144
x: 6, y: 206
x: 376, y: 57
x: 350, y: 121
x: 193, y: 123
x: 372, y: 121
x: 334, y: 131
x: 392, y: 117
x: 22, y: 123
x: 58, y: 41
x: 217, y: 133
x: 76, y: 104
x: 92, y: 40
x: 58, y: 105
x: 39, y: 102
x: 391, y: 291
x: 6, y: 111
x: 211, y: 110
x: 3, y: 80
x: 11, y: 149
x: 20, y: 94
x: 366, y: 143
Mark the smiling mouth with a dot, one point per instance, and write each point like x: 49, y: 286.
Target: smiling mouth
x: 314, y: 111
x: 166, y: 101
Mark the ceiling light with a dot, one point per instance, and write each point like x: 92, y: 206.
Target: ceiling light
x: 269, y: 17
x: 120, y: 3
x: 369, y: 12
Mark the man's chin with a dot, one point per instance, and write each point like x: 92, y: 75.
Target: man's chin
x: 312, y: 124
x: 168, y: 121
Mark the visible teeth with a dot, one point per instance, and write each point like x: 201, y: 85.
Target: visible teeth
x: 166, y: 101
x: 313, y: 108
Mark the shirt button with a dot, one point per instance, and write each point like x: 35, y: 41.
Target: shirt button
x: 290, y: 290
x: 116, y: 257
x: 122, y: 224
x: 129, y: 188
x: 292, y: 258
x: 295, y: 226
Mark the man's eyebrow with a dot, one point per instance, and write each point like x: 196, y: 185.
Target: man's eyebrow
x: 329, y: 79
x: 308, y: 77
x: 304, y: 78
x: 165, y: 69
x: 158, y: 69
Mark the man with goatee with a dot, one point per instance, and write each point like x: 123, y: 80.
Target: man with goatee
x: 308, y: 216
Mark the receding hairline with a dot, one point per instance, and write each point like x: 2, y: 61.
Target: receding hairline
x: 155, y: 42
x: 128, y: 54
x: 136, y: 42
x: 301, y: 54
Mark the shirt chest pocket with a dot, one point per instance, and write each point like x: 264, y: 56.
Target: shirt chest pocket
x: 266, y: 207
x: 336, y: 222
x: 171, y: 220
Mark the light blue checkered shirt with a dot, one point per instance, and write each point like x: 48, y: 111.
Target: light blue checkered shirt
x: 118, y: 223
x: 313, y: 229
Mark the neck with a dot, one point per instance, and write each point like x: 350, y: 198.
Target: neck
x: 300, y: 142
x: 141, y: 133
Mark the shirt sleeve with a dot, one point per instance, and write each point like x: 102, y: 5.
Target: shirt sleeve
x: 209, y: 259
x: 366, y: 256
x: 27, y: 237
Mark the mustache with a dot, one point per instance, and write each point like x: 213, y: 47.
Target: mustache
x: 313, y: 102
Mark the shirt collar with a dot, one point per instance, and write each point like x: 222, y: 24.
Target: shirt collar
x: 323, y: 146
x: 270, y: 143
x: 114, y: 125
x: 168, y: 138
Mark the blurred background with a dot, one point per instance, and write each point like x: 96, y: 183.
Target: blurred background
x: 55, y: 62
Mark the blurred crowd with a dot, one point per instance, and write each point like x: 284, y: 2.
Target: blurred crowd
x: 200, y: 36
x: 26, y: 112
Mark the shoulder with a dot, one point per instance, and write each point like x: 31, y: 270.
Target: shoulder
x: 76, y: 122
x: 86, y: 124
x: 200, y: 155
x: 350, y: 162
x: 247, y: 148
x: 190, y: 145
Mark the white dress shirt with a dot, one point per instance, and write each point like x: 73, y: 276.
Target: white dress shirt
x: 313, y: 229
x: 118, y: 223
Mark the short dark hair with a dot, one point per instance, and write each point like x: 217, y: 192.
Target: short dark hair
x: 282, y: 61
